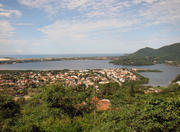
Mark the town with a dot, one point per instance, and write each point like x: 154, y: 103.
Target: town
x: 16, y: 83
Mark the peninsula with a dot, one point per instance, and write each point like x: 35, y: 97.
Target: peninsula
x: 148, y: 56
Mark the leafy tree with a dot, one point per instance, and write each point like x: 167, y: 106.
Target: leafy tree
x: 66, y: 98
x: 159, y: 114
x: 107, y: 90
x: 177, y: 78
x: 8, y: 112
x: 8, y: 108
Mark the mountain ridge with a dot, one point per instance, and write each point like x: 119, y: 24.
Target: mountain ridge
x: 169, y: 54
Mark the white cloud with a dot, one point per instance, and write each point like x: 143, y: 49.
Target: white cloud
x: 164, y: 11
x: 145, y: 1
x: 154, y: 11
x: 14, y: 46
x: 1, y: 5
x: 9, y: 13
x: 72, y: 4
x: 5, y: 14
x: 24, y: 24
x: 105, y: 8
x: 91, y: 7
x: 83, y: 29
x: 50, y: 6
x: 7, y: 30
x: 94, y: 25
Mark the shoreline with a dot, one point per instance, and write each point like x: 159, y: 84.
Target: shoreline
x: 69, y: 70
x: 27, y: 60
x: 4, y: 61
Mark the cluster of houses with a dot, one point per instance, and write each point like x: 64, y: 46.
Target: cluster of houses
x: 119, y: 75
x: 152, y: 90
x: 17, y: 83
x: 178, y: 82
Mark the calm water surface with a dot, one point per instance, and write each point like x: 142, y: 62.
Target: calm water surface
x: 156, y: 78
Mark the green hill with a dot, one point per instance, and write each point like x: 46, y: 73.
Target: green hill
x: 148, y: 56
x: 144, y: 52
x: 170, y: 52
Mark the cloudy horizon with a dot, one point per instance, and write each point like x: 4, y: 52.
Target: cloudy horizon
x: 87, y: 26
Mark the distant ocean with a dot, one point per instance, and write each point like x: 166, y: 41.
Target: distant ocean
x: 57, y: 55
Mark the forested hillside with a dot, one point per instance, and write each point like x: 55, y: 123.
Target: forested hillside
x: 71, y: 109
x: 148, y: 56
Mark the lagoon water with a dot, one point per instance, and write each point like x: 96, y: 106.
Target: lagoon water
x: 156, y: 78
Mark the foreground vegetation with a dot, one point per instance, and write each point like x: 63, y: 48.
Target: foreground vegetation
x: 71, y: 109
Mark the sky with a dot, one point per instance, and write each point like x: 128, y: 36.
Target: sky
x: 87, y: 26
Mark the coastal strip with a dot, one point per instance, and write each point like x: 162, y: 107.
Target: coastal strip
x: 148, y: 70
x: 27, y: 60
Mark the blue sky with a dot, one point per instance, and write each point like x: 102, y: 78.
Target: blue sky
x: 87, y: 26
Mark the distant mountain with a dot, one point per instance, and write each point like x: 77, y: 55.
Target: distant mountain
x: 144, y: 52
x: 148, y: 56
x: 170, y: 52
